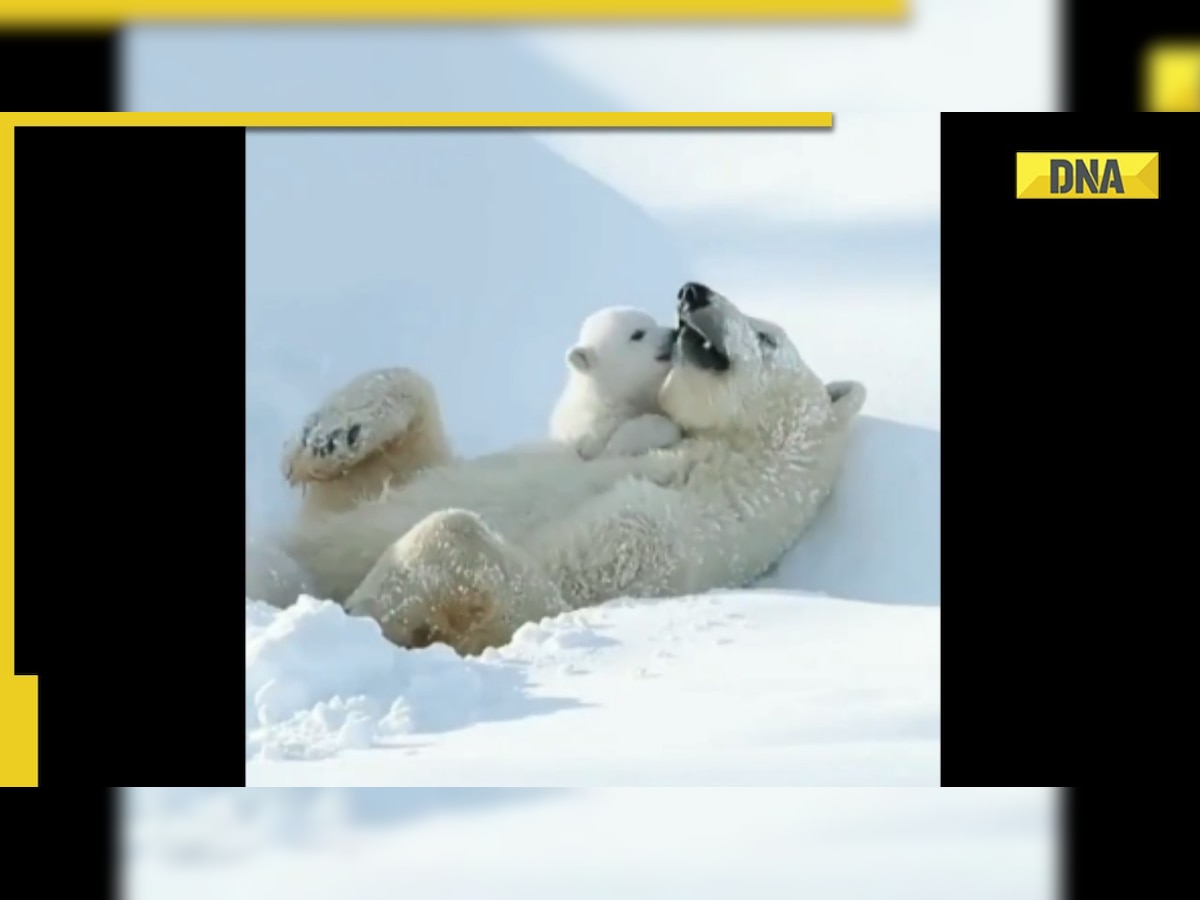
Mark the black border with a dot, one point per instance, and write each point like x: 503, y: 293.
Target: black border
x: 1064, y: 329
x: 59, y: 70
x: 1103, y: 49
x: 130, y: 393
x: 83, y: 819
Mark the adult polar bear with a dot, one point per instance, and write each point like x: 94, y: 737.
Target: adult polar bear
x: 464, y: 553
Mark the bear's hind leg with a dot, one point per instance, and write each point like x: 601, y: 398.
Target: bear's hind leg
x: 451, y: 579
x: 379, y: 430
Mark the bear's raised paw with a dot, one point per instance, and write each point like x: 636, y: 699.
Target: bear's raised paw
x: 373, y: 411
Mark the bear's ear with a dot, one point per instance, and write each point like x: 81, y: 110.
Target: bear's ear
x: 581, y: 359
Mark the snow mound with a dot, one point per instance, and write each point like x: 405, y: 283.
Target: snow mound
x: 879, y: 537
x: 319, y: 681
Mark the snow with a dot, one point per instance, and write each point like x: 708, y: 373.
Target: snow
x: 533, y: 843
x: 685, y: 691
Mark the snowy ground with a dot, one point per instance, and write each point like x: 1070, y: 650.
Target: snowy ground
x: 538, y: 844
x: 752, y: 688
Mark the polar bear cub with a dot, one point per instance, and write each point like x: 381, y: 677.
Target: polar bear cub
x: 609, y: 405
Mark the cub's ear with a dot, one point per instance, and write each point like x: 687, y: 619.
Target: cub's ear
x: 581, y: 359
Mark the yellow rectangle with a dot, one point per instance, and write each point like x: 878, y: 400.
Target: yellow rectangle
x: 18, y: 695
x: 1053, y: 176
x: 525, y: 120
x: 1171, y: 76
x: 114, y: 12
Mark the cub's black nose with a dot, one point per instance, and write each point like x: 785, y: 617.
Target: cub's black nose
x: 693, y: 296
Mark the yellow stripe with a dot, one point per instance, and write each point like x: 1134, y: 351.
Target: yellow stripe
x: 78, y: 12
x: 433, y: 119
x: 18, y: 696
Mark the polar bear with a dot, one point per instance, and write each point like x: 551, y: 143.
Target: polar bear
x: 609, y: 403
x: 464, y: 554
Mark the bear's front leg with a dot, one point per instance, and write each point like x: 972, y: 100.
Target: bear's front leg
x: 453, y: 580
x: 381, y: 428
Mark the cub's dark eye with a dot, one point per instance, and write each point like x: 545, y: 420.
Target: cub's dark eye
x: 767, y: 339
x: 637, y: 335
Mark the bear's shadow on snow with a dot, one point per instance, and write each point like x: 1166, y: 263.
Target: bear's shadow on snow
x: 504, y: 694
x: 446, y: 692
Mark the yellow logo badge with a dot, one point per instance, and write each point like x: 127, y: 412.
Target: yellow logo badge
x: 1045, y: 176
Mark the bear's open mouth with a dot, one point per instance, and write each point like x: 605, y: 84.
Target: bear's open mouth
x: 698, y: 349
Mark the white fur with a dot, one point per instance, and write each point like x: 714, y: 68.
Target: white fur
x: 466, y: 553
x: 642, y: 434
x: 614, y: 373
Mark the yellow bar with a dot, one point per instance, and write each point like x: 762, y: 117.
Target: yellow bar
x: 533, y: 120
x: 115, y: 12
x: 18, y: 696
x: 1171, y: 76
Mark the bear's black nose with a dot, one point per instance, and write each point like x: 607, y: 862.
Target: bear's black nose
x: 693, y: 296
